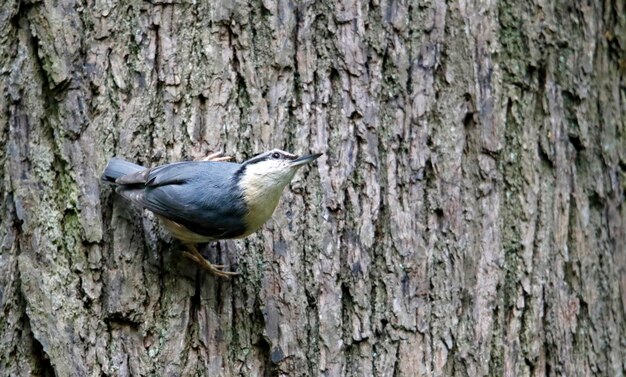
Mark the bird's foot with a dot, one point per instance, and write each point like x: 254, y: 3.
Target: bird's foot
x: 216, y: 157
x: 215, y: 269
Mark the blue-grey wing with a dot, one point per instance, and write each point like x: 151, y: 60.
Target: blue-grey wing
x: 180, y: 172
x: 202, y: 196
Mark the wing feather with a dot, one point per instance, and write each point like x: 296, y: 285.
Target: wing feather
x: 202, y: 196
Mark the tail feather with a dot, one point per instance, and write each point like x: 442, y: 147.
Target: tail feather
x: 117, y: 168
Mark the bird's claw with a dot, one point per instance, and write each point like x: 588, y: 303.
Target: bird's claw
x: 217, y: 157
x: 215, y: 269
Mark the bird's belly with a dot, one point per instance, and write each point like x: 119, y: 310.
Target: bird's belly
x: 182, y: 233
x: 258, y: 215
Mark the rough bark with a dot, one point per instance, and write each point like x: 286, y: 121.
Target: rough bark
x: 466, y: 219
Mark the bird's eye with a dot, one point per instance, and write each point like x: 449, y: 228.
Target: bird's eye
x: 276, y: 155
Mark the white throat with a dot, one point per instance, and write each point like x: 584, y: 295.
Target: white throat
x: 262, y: 185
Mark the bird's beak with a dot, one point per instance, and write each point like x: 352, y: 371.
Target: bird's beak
x: 305, y: 159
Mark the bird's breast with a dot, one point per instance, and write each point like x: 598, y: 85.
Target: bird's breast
x: 261, y: 203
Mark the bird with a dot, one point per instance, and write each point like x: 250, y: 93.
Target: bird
x: 208, y: 200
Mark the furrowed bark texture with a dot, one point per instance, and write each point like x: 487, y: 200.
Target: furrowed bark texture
x: 467, y: 217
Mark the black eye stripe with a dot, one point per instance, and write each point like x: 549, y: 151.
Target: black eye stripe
x: 276, y: 155
x: 256, y: 159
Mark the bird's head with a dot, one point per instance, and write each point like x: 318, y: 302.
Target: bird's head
x: 262, y: 180
x: 274, y: 168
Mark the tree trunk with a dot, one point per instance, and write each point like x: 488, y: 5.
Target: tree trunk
x: 467, y: 217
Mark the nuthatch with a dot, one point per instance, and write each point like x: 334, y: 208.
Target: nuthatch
x: 202, y: 201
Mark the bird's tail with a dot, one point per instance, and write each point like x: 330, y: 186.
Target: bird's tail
x: 117, y: 168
